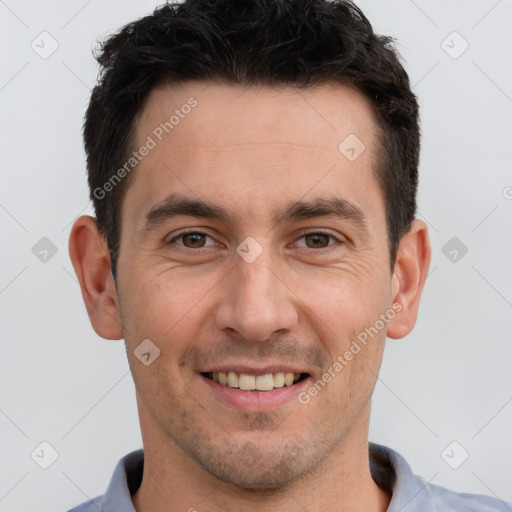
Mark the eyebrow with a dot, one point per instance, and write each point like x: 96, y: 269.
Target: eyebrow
x: 177, y: 205
x: 322, y: 207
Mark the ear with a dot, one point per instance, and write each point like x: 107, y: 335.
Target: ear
x: 410, y: 272
x: 91, y: 261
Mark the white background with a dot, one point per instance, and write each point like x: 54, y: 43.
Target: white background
x: 450, y: 380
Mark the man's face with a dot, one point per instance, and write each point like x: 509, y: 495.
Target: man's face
x: 291, y: 298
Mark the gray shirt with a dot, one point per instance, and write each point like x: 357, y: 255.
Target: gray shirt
x: 410, y: 493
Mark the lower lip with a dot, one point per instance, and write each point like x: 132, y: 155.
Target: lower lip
x: 256, y: 401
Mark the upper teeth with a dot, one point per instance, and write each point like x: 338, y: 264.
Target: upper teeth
x: 255, y: 382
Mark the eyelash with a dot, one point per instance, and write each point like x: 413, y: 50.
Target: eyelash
x: 315, y: 232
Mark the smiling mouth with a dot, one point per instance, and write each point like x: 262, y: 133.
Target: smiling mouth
x: 247, y: 382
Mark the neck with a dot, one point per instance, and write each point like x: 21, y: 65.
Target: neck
x: 342, y: 483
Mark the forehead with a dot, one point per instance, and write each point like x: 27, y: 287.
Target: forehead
x: 242, y: 114
x: 242, y: 145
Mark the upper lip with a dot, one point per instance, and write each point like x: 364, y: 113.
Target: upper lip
x: 254, y: 369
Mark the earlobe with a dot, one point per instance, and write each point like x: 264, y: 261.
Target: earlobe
x: 410, y: 272
x: 91, y: 261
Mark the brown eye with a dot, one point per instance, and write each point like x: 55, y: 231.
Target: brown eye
x: 193, y: 240
x: 317, y: 240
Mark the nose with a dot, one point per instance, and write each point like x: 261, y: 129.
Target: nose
x: 256, y: 301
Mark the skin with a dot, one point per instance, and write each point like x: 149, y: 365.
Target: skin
x: 301, y: 302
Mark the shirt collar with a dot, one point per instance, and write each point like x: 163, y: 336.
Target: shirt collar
x: 125, y: 481
x: 392, y: 473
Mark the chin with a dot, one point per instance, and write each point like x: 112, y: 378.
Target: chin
x: 251, y: 468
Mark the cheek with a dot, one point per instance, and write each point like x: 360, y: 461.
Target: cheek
x: 348, y: 298
x: 347, y: 310
x: 164, y: 305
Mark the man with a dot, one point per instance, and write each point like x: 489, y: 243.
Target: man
x: 253, y: 168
